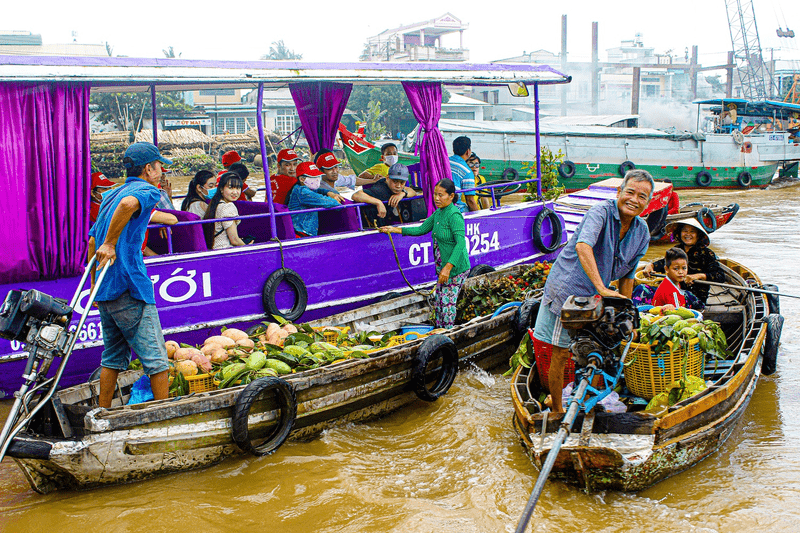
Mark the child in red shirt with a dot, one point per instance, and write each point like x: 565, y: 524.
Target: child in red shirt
x: 669, y: 293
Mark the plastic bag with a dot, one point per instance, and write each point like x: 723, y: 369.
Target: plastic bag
x: 610, y: 403
x: 141, y: 391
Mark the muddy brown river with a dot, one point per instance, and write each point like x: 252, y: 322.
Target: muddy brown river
x: 457, y: 466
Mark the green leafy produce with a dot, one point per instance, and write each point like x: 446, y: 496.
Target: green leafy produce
x: 485, y: 297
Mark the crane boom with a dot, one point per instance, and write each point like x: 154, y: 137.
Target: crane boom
x: 753, y: 72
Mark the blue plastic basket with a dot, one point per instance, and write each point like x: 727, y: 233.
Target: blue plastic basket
x: 419, y: 329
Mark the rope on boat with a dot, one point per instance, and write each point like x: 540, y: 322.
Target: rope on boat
x: 280, y: 246
x: 426, y: 294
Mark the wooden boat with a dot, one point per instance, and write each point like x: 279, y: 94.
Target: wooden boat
x: 75, y: 444
x: 634, y: 450
x: 711, y: 216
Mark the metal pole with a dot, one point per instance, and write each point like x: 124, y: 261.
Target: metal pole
x: 595, y: 72
x: 155, y: 121
x: 538, y: 142
x: 264, y: 160
x: 552, y: 455
x: 563, y: 63
x: 635, y: 86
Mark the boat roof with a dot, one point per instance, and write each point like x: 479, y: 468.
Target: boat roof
x: 588, y: 120
x: 123, y: 74
x: 764, y: 107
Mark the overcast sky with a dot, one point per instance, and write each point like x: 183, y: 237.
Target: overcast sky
x: 333, y: 31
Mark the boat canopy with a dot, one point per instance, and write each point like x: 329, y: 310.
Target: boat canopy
x: 765, y: 108
x: 122, y: 74
x: 556, y: 129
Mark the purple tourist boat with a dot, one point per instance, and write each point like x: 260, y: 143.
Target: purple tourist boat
x: 45, y: 189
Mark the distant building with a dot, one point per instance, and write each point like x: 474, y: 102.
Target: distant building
x: 421, y: 41
x: 25, y: 43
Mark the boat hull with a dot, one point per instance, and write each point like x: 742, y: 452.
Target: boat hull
x: 133, y: 443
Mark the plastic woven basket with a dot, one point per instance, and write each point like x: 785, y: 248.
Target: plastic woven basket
x: 201, y: 383
x: 640, y: 278
x: 648, y: 373
x: 543, y: 352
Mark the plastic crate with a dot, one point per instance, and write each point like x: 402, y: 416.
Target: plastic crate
x: 543, y: 352
x: 648, y: 373
x: 201, y: 383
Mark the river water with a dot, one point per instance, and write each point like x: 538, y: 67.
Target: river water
x: 456, y: 465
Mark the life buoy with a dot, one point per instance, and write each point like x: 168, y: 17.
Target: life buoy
x: 566, y: 169
x: 703, y: 178
x: 744, y: 179
x: 555, y: 224
x: 625, y: 167
x: 510, y: 171
x: 479, y: 270
x: 431, y: 349
x: 769, y: 352
x: 287, y: 402
x: 773, y: 300
x: 271, y: 289
x: 525, y: 318
x: 704, y: 212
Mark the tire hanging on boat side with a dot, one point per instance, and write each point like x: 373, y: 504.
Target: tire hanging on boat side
x: 555, y: 224
x: 525, y: 318
x: 703, y: 178
x: 287, y: 401
x: 773, y: 300
x: 431, y: 349
x: 479, y: 270
x: 701, y: 215
x: 270, y: 291
x: 566, y: 169
x: 626, y: 166
x: 769, y: 351
x: 744, y: 179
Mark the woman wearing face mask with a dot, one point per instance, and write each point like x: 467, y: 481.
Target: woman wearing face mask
x: 304, y: 195
x: 201, y: 188
x: 449, y: 249
x: 224, y: 234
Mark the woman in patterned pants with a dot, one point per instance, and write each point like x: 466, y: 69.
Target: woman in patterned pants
x: 450, y: 249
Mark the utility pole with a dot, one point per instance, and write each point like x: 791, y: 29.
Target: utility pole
x: 635, y: 84
x: 564, y: 64
x: 595, y: 72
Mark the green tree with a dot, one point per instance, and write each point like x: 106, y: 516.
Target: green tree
x: 127, y: 110
x: 279, y: 51
x: 372, y: 119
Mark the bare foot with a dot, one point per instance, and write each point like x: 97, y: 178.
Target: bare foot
x: 548, y: 402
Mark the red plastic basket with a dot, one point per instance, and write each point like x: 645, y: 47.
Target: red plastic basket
x: 543, y: 351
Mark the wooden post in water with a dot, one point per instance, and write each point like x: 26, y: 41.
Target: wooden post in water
x: 635, y: 83
x: 729, y: 76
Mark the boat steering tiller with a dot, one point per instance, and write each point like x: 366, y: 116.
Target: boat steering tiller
x: 42, y: 323
x: 598, y: 326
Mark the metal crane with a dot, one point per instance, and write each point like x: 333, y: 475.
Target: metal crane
x: 754, y: 75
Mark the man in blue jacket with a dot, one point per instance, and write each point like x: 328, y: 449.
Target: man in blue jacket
x: 126, y: 299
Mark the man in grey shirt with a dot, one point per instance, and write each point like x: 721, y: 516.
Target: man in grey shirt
x: 607, y: 245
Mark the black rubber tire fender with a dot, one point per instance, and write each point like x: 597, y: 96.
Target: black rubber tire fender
x: 769, y: 352
x: 704, y: 212
x: 733, y: 208
x: 744, y: 179
x: 703, y: 178
x: 566, y: 169
x: 389, y: 296
x: 510, y: 171
x: 656, y: 222
x: 432, y: 348
x: 479, y: 270
x: 525, y: 318
x: 544, y: 214
x: 239, y: 423
x: 773, y: 300
x: 625, y: 166
x: 271, y: 288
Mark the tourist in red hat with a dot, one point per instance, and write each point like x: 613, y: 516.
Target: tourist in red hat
x: 303, y: 195
x: 331, y: 179
x: 230, y: 157
x: 286, y: 177
x: 100, y: 184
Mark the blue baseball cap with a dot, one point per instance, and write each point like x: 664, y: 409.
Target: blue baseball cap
x: 398, y: 171
x: 140, y: 154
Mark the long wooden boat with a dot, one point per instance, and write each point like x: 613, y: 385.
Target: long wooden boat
x: 634, y: 450
x: 745, y: 154
x: 704, y: 212
x: 196, y: 289
x: 74, y: 444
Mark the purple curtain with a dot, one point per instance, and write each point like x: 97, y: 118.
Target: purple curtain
x: 45, y: 172
x: 320, y: 106
x: 426, y: 103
